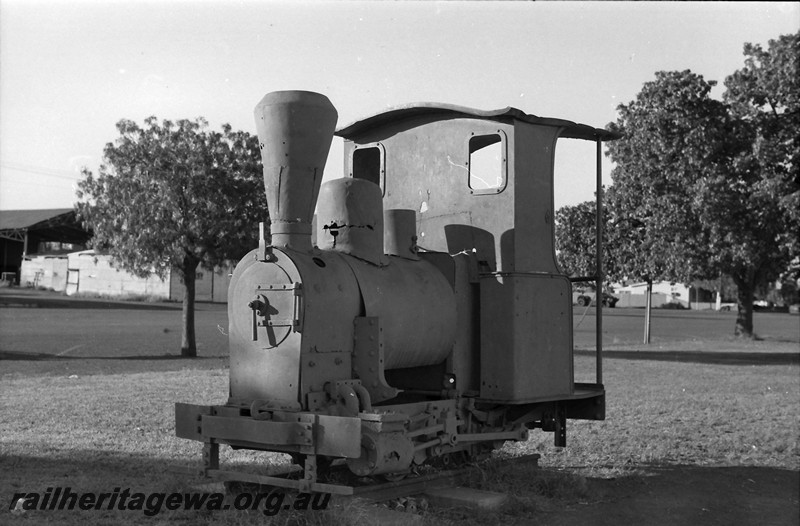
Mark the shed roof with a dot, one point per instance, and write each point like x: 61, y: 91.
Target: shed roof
x: 56, y: 224
x: 434, y: 110
x: 13, y: 219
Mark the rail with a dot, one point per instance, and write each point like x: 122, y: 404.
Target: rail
x: 373, y: 492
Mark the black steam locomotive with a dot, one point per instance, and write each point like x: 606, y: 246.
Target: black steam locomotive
x: 419, y: 315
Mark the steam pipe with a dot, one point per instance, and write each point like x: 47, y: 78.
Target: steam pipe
x: 365, y: 401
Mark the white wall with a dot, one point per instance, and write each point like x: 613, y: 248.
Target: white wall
x: 209, y: 286
x: 49, y: 272
x: 93, y: 274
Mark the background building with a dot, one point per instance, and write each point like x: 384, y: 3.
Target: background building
x: 91, y: 274
x: 665, y: 293
x: 26, y: 233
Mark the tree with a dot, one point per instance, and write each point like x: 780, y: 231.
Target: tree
x: 705, y: 187
x: 576, y: 228
x: 624, y: 237
x: 174, y: 196
x: 764, y: 96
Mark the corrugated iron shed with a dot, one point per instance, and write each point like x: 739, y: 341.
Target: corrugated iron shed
x: 21, y: 232
x: 53, y: 224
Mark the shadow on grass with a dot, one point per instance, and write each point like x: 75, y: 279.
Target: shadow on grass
x: 98, y: 472
x: 721, y: 358
x: 661, y: 495
x: 668, y: 495
x: 155, y: 480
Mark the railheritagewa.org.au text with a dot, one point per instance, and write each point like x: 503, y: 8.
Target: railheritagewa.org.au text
x: 151, y: 504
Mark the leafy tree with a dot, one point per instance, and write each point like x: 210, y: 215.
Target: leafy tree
x: 765, y: 97
x: 704, y: 188
x: 673, y: 137
x: 575, y: 239
x: 576, y: 228
x: 624, y: 236
x: 765, y: 94
x: 174, y: 196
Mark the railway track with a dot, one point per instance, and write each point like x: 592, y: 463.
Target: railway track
x: 365, y: 489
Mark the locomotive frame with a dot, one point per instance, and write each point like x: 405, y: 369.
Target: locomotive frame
x: 420, y: 315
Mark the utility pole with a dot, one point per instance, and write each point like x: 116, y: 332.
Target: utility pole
x: 647, y: 311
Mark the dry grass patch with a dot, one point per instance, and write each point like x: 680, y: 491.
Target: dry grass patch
x: 688, y: 414
x: 99, y: 432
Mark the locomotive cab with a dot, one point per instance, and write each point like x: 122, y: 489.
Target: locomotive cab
x: 482, y: 184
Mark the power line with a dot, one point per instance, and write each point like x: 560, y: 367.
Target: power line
x: 4, y: 183
x: 62, y: 174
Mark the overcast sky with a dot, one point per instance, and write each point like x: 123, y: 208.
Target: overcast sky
x: 70, y: 70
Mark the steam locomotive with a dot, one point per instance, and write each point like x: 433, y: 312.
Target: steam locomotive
x: 419, y: 316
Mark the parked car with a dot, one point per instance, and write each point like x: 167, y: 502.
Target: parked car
x: 608, y: 300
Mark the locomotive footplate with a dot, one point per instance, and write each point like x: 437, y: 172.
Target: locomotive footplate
x: 389, y: 442
x: 286, y: 431
x: 306, y: 434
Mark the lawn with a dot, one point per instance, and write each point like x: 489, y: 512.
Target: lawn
x: 95, y: 422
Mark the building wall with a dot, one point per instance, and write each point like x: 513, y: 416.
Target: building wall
x: 48, y: 272
x: 92, y: 273
x: 664, y: 292
x: 639, y: 300
x: 86, y: 272
x: 209, y: 286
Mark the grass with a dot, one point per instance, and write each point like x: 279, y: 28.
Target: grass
x: 682, y: 413
x: 98, y: 432
x: 92, y: 408
x: 658, y: 414
x: 95, y: 433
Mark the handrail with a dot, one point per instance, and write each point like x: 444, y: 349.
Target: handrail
x: 599, y: 262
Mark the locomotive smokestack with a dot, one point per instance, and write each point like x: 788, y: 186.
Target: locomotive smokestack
x: 295, y: 130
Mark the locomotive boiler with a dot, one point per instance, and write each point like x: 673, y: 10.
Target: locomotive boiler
x: 419, y: 315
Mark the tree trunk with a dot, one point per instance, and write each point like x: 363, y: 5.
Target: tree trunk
x: 188, y: 342
x: 744, y: 307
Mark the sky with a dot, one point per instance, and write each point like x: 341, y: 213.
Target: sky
x: 69, y: 70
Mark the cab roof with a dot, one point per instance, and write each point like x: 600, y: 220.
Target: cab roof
x: 438, y: 111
